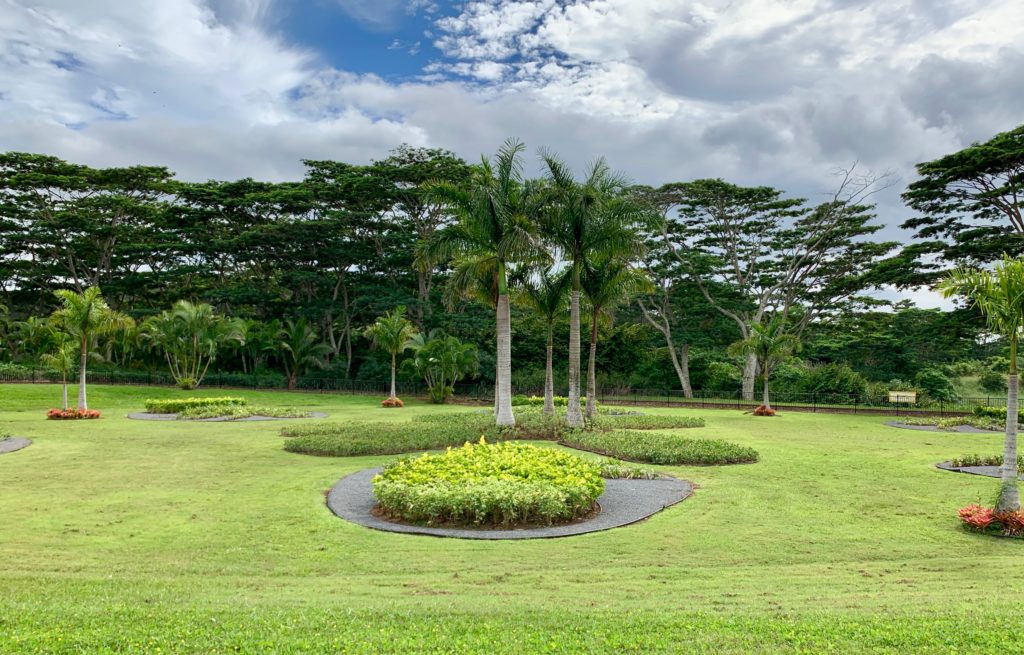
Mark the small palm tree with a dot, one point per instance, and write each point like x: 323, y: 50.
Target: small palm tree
x: 190, y: 336
x: 441, y: 361
x: 496, y: 214
x: 84, y: 316
x: 300, y: 349
x: 1000, y: 297
x: 769, y: 345
x: 392, y: 333
x: 62, y: 360
x: 546, y: 293
x: 606, y: 283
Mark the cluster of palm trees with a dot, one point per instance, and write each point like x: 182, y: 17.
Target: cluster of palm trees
x: 559, y: 238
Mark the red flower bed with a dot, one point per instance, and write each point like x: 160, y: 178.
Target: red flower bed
x: 985, y: 519
x: 72, y: 414
x: 761, y: 410
x: 392, y: 402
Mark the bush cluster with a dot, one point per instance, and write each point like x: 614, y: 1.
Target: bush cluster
x: 981, y: 460
x: 998, y: 413
x: 482, y: 484
x: 72, y: 414
x: 235, y: 412
x: 986, y: 519
x: 522, y: 400
x: 657, y: 448
x: 179, y: 405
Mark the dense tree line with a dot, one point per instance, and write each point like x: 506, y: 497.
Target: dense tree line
x: 287, y: 276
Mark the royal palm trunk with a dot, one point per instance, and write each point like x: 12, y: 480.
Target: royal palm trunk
x: 549, y: 374
x: 1009, y: 494
x: 82, y: 401
x: 503, y: 384
x: 393, y: 375
x: 592, y: 370
x: 573, y: 415
x: 764, y: 400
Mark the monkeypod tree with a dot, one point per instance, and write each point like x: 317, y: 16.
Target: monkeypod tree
x: 999, y: 295
x: 190, y: 336
x: 83, y: 317
x: 970, y: 203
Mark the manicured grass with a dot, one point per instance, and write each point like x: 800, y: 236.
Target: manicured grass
x: 122, y: 536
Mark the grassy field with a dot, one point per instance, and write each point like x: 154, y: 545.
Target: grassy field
x: 120, y: 536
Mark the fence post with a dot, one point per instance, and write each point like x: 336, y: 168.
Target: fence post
x: 814, y: 402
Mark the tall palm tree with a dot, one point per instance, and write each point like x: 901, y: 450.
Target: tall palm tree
x: 999, y: 295
x: 84, y: 316
x: 495, y: 228
x: 546, y: 293
x: 392, y: 333
x: 606, y: 283
x: 593, y: 218
x: 770, y: 345
x: 300, y: 349
x: 63, y: 360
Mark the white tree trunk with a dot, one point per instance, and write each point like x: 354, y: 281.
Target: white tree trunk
x: 549, y: 375
x: 82, y: 402
x: 573, y: 415
x: 64, y: 392
x: 503, y: 385
x: 681, y: 363
x: 749, y: 374
x: 591, y: 409
x: 764, y: 399
x: 392, y: 375
x: 1009, y: 495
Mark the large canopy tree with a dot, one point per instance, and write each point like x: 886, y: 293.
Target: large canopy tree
x: 83, y: 317
x: 495, y: 228
x: 970, y: 203
x: 999, y: 295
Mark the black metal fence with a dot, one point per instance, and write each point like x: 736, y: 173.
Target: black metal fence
x: 484, y: 392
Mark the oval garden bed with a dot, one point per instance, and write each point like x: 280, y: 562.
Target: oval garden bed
x: 216, y: 409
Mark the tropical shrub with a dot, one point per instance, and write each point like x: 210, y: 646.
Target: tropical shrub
x: 936, y: 384
x: 646, y: 422
x: 660, y: 448
x: 178, y: 405
x: 986, y: 519
x: 72, y: 414
x: 441, y: 361
x: 832, y: 378
x: 520, y: 400
x: 482, y: 484
x: 977, y: 517
x: 392, y: 402
x: 997, y: 413
x: 613, y: 469
x: 981, y: 460
x: 189, y: 337
x: 992, y: 381
x: 234, y: 412
x: 761, y: 410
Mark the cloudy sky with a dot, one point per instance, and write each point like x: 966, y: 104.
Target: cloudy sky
x: 775, y: 92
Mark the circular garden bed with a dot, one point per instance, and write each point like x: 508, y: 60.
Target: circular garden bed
x: 11, y: 444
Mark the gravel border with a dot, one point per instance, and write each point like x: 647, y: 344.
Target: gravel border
x: 11, y: 444
x: 988, y: 471
x: 622, y: 503
x: 966, y: 429
x: 146, y: 416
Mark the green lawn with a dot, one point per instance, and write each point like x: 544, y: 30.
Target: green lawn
x: 142, y: 537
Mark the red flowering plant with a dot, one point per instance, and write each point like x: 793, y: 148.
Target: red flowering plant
x: 72, y: 414
x: 985, y: 519
x: 762, y: 410
x: 392, y: 402
x: 1012, y: 522
x: 977, y: 517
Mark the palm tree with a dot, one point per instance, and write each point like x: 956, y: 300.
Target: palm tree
x: 84, y: 316
x: 495, y: 228
x: 606, y: 283
x: 190, y: 335
x: 392, y: 333
x: 300, y: 349
x: 586, y: 220
x: 1000, y: 297
x: 546, y: 294
x: 62, y: 360
x: 441, y: 360
x: 769, y: 345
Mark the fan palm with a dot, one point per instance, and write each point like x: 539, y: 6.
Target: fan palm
x: 84, y: 316
x: 1000, y: 297
x: 546, y: 293
x: 606, y: 285
x: 392, y: 333
x: 495, y: 228
x: 770, y: 345
x: 300, y: 349
x: 586, y: 220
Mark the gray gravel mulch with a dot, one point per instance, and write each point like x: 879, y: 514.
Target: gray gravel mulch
x: 622, y: 503
x: 146, y: 416
x: 967, y: 429
x: 988, y: 471
x: 11, y: 444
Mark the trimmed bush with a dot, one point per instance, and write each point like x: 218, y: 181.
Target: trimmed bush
x: 72, y: 414
x: 996, y: 413
x: 980, y: 460
x: 520, y: 400
x: 660, y: 448
x: 179, y: 405
x: 234, y: 412
x: 482, y: 484
x: 647, y: 422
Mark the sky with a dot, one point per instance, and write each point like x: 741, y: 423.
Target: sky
x: 773, y: 92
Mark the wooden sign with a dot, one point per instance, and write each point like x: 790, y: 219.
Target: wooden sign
x: 906, y: 397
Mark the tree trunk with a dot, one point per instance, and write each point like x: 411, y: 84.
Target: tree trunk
x: 64, y: 391
x: 573, y: 415
x: 681, y: 363
x: 549, y: 374
x: 503, y: 384
x: 592, y: 370
x: 764, y: 399
x: 1009, y: 493
x: 393, y: 375
x: 82, y: 401
x: 749, y: 374
x: 292, y: 380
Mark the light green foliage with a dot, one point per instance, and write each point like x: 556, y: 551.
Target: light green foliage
x: 178, y: 405
x: 121, y: 537
x: 613, y: 469
x: 235, y: 412
x: 981, y: 460
x: 501, y: 484
x: 655, y: 448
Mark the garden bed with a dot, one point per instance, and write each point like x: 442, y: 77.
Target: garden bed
x: 966, y: 429
x: 149, y: 416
